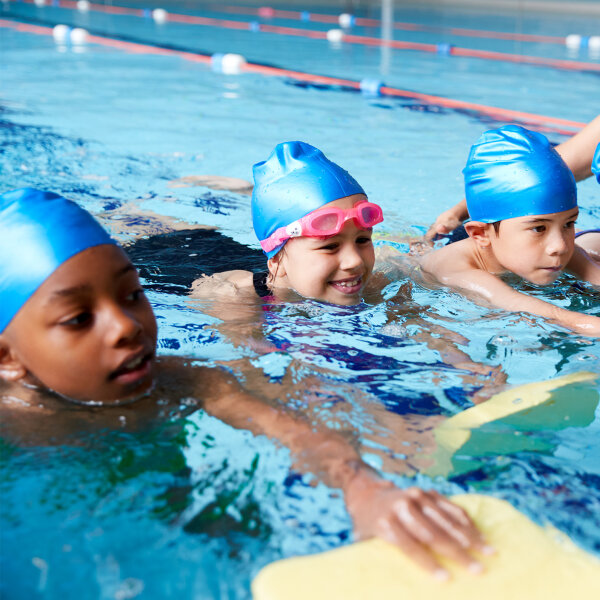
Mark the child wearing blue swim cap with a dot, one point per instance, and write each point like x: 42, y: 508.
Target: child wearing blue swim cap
x: 580, y: 153
x: 76, y: 327
x: 522, y: 200
x: 314, y: 223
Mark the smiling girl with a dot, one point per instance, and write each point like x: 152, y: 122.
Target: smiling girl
x: 314, y: 223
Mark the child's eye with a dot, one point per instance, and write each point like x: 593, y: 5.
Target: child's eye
x: 363, y: 240
x: 570, y: 225
x: 539, y: 228
x: 331, y: 246
x: 81, y: 319
x: 135, y: 295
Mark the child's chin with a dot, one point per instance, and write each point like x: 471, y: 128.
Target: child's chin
x: 545, y: 278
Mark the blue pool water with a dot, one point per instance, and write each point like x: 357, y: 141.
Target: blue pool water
x: 191, y: 508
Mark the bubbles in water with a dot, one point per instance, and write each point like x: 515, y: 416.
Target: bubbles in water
x: 502, y: 340
x: 130, y: 588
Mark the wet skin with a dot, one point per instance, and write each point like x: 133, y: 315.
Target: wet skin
x: 537, y: 248
x: 87, y: 333
x: 334, y: 269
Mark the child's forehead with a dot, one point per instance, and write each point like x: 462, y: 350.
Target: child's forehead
x: 546, y: 217
x: 345, y: 202
x: 90, y: 270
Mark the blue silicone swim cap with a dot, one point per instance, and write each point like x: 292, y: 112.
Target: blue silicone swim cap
x: 38, y: 232
x: 596, y: 163
x: 296, y: 179
x: 513, y: 172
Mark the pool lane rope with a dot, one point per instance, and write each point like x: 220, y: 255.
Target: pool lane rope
x: 335, y: 35
x: 292, y: 15
x: 546, y: 123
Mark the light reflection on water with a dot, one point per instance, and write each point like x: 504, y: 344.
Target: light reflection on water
x: 193, y: 507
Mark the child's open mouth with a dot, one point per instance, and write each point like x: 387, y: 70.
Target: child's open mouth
x: 134, y: 369
x: 347, y: 286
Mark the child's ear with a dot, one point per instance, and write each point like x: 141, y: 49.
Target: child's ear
x: 479, y: 232
x: 11, y: 368
x: 276, y: 267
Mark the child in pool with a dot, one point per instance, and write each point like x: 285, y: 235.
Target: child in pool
x: 522, y: 200
x: 314, y: 223
x: 76, y: 327
x: 578, y: 154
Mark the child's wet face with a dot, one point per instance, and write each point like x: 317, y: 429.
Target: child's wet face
x: 333, y: 269
x: 88, y: 332
x: 537, y: 247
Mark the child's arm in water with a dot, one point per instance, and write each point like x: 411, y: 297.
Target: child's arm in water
x: 577, y: 152
x: 419, y: 522
x: 453, y: 266
x: 583, y: 266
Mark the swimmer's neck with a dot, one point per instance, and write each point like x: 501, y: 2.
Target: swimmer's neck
x: 15, y: 396
x: 483, y: 258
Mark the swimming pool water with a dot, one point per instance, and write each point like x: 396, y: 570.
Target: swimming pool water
x: 192, y: 508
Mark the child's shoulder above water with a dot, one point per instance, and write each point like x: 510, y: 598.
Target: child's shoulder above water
x: 522, y: 201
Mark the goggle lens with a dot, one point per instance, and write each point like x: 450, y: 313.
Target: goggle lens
x: 369, y: 215
x: 326, y: 222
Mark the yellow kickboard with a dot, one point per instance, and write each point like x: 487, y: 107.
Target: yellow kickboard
x: 531, y: 563
x: 567, y: 401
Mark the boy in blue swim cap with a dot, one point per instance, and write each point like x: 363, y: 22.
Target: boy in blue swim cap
x: 522, y: 200
x: 580, y: 153
x: 314, y: 223
x: 75, y: 326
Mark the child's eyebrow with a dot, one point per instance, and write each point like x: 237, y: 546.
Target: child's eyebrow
x: 81, y: 289
x: 541, y: 220
x: 66, y: 292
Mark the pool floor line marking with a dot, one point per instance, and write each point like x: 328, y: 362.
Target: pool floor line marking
x: 496, y: 113
x: 405, y: 26
x: 562, y: 64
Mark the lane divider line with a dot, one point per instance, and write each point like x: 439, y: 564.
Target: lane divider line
x: 562, y: 126
x: 364, y: 22
x: 561, y: 64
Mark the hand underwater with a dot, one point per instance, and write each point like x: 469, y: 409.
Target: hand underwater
x: 421, y: 523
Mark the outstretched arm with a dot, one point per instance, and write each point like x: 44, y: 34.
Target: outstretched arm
x: 499, y: 294
x: 448, y: 221
x: 583, y: 266
x: 578, y: 151
x: 419, y: 522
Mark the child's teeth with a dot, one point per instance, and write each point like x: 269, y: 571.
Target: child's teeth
x: 134, y: 363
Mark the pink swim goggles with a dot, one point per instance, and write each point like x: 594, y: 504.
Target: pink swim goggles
x: 325, y: 222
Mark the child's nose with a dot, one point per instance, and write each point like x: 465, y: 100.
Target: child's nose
x: 351, y: 257
x: 557, y: 243
x: 123, y: 327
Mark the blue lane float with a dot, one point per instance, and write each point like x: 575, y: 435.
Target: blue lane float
x: 371, y: 87
x: 444, y: 49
